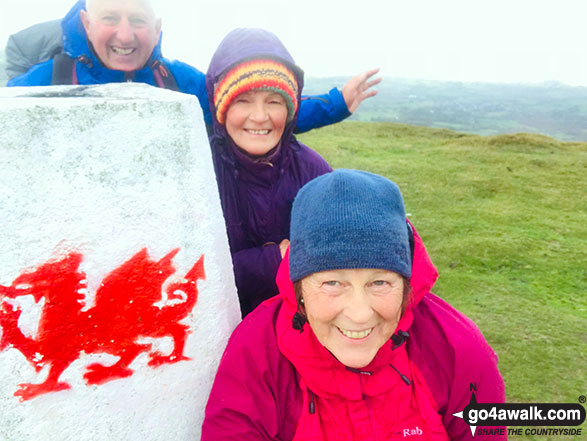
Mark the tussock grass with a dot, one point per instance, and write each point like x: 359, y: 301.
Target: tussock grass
x: 505, y: 221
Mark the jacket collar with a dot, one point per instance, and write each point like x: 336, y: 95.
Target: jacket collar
x: 262, y: 171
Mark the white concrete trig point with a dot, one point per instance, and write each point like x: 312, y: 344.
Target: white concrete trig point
x: 116, y: 288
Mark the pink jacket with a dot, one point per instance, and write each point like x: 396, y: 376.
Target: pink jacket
x: 277, y: 383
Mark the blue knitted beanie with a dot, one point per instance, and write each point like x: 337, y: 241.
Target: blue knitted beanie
x: 348, y: 219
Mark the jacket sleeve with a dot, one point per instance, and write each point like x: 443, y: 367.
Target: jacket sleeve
x: 455, y: 360
x: 39, y: 75
x: 255, y: 270
x: 255, y: 395
x: 191, y: 80
x: 321, y: 110
x: 475, y: 368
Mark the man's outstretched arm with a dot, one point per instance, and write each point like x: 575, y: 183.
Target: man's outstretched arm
x: 321, y: 110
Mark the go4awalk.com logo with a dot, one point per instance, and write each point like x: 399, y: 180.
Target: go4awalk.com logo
x: 493, y: 417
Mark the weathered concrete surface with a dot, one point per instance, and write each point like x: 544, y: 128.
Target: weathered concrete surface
x: 103, y: 172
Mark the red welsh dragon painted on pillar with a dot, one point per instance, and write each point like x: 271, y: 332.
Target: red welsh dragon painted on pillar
x: 124, y: 312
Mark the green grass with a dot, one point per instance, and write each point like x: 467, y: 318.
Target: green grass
x: 505, y: 221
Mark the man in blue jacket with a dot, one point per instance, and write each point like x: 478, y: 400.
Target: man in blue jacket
x: 110, y: 41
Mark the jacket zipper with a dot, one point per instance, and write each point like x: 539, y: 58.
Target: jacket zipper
x: 366, y: 400
x: 307, y: 98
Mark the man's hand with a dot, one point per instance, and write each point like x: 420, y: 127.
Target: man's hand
x: 358, y: 88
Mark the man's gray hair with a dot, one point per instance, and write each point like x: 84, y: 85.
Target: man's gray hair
x: 152, y: 4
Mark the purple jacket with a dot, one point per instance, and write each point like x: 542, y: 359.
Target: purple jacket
x: 277, y: 383
x: 257, y: 194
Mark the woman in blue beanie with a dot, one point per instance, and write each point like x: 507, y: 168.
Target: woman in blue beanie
x: 355, y: 347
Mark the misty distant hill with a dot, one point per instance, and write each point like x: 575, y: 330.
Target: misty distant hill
x: 550, y: 108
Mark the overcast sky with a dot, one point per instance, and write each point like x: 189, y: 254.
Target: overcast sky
x: 460, y: 40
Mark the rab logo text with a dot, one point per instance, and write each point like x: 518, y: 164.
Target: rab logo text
x: 412, y: 432
x: 124, y: 312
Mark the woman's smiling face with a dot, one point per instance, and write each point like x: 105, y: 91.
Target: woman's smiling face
x: 256, y: 120
x: 353, y: 312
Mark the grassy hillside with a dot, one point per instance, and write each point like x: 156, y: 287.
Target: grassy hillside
x: 504, y: 219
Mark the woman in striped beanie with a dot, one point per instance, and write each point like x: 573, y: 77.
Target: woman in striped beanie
x: 255, y: 89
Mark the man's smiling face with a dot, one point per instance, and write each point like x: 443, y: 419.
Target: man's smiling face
x: 122, y: 32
